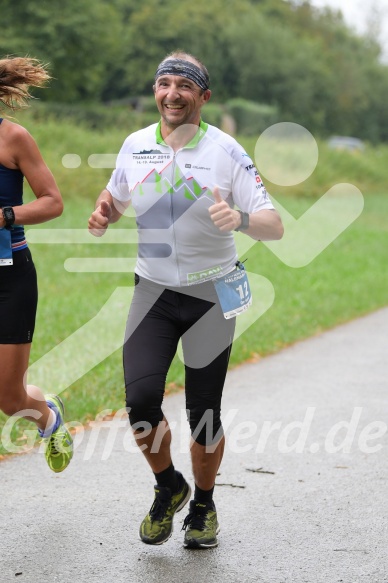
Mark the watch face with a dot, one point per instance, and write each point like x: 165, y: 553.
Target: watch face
x: 9, y: 216
x: 244, y: 221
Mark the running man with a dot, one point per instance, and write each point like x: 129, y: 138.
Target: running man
x: 183, y: 178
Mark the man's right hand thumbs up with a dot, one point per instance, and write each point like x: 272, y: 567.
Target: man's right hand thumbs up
x: 106, y: 209
x: 99, y: 220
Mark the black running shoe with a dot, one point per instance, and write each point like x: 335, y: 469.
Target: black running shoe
x: 157, y: 526
x: 201, y: 526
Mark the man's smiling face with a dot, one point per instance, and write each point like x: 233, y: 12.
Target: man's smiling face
x: 179, y: 100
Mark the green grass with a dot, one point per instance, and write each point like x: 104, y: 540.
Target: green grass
x: 347, y: 280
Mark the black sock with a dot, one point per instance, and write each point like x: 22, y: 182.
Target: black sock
x: 168, y: 478
x: 204, y: 496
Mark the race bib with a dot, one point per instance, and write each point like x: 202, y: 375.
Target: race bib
x: 5, y: 247
x: 234, y: 292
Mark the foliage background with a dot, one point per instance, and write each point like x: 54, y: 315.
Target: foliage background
x: 269, y: 61
x: 303, y: 62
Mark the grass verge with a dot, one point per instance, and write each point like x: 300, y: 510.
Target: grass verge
x: 347, y: 280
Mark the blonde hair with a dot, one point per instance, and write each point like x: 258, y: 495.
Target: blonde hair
x: 17, y: 74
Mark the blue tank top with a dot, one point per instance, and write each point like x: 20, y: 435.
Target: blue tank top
x: 11, y: 194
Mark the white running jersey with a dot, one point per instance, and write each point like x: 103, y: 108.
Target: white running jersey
x: 171, y: 192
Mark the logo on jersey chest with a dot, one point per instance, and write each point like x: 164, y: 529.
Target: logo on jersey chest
x: 150, y: 157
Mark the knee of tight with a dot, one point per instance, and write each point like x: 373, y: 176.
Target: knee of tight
x: 205, y: 425
x: 143, y: 402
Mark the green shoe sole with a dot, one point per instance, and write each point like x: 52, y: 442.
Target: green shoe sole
x: 59, y: 446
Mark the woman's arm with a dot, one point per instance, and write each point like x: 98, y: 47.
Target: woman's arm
x: 25, y: 154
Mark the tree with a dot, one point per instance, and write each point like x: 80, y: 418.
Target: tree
x: 71, y: 36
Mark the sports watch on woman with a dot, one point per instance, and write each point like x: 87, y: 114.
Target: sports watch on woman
x: 9, y: 216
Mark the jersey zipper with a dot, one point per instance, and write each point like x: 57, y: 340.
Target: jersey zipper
x: 172, y: 214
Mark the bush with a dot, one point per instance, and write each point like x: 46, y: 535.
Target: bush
x: 95, y: 116
x: 251, y: 118
x: 213, y: 113
x: 147, y: 104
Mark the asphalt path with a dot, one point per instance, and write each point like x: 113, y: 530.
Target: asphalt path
x: 301, y: 496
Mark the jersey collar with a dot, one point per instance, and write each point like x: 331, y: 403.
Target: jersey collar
x: 202, y: 129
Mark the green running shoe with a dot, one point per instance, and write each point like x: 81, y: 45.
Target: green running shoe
x: 59, y: 445
x: 201, y: 526
x: 157, y: 526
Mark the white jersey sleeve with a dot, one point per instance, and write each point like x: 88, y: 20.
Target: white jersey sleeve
x: 248, y: 190
x: 118, y: 185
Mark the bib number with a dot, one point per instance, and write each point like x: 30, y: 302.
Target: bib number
x: 234, y: 292
x: 5, y: 247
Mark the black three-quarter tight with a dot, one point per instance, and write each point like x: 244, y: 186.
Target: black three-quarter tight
x: 18, y: 299
x: 157, y: 319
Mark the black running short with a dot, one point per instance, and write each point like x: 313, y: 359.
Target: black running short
x: 158, y: 319
x: 18, y: 299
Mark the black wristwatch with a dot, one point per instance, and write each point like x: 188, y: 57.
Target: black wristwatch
x: 9, y: 216
x: 244, y: 221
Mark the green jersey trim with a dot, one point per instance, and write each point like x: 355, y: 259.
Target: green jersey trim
x: 203, y: 126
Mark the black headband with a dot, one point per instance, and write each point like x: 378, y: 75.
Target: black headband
x: 183, y: 68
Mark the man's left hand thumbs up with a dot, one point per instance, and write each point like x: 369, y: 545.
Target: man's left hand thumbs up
x: 224, y: 217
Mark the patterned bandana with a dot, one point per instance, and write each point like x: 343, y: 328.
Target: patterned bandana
x: 183, y: 68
